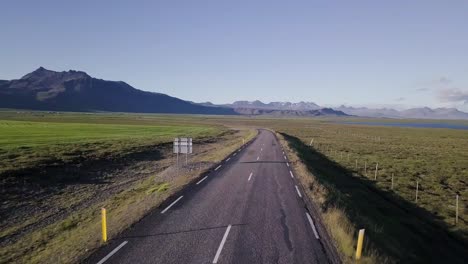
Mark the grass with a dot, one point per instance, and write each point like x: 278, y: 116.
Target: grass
x: 397, y: 228
x: 27, y: 144
x: 38, y: 140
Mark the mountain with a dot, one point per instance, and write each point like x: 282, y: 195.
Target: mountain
x: 301, y: 106
x: 71, y: 90
x: 420, y: 113
x: 290, y: 113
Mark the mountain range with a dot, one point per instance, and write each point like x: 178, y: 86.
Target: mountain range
x: 71, y: 90
x: 420, y: 113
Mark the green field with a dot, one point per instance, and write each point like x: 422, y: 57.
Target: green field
x: 50, y: 139
x: 397, y: 226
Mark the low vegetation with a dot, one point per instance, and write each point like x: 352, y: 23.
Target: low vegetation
x: 397, y: 227
x: 121, y: 162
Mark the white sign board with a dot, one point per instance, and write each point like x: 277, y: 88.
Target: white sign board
x: 183, y: 145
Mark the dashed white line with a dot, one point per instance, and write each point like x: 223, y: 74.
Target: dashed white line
x: 112, y: 252
x: 261, y: 149
x: 167, y: 208
x: 220, y: 248
x: 287, y: 164
x: 298, y: 192
x: 258, y: 158
x: 228, y: 159
x: 284, y: 157
x: 200, y: 181
x: 250, y: 176
x: 292, y: 175
x: 234, y: 154
x: 283, y: 152
x: 218, y: 167
x: 312, y: 225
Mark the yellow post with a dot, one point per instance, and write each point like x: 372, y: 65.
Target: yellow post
x: 359, y: 244
x: 104, y: 224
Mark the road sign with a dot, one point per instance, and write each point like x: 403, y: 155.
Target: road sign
x: 183, y: 145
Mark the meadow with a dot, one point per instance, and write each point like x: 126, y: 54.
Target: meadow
x: 35, y: 139
x: 343, y: 159
x: 58, y: 169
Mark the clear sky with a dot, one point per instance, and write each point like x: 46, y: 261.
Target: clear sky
x: 407, y: 53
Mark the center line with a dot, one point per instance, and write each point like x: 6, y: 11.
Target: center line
x: 228, y: 159
x: 292, y: 175
x: 215, y: 260
x: 167, y: 208
x: 218, y: 167
x: 112, y: 252
x: 287, y: 164
x: 258, y: 158
x: 312, y: 225
x: 298, y: 192
x: 250, y: 176
x: 284, y: 157
x: 234, y: 154
x: 200, y: 181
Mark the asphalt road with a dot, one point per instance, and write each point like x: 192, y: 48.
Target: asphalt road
x: 248, y: 210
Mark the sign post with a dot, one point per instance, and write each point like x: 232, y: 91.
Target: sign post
x: 182, y: 145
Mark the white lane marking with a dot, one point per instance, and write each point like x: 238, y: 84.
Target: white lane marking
x: 261, y: 149
x: 258, y: 158
x: 167, y: 208
x: 298, y: 192
x: 228, y: 159
x: 283, y: 152
x: 112, y: 252
x: 284, y: 157
x: 313, y: 226
x: 292, y: 175
x: 200, y: 181
x: 287, y: 164
x: 250, y: 176
x: 234, y: 154
x: 220, y: 248
x: 218, y: 167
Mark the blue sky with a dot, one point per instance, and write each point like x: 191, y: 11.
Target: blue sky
x: 374, y: 53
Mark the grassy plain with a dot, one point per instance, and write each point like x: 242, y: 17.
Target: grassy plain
x: 123, y: 161
x: 398, y: 228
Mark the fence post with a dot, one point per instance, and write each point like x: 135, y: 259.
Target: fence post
x: 359, y: 244
x: 376, y: 169
x: 456, y: 210
x: 392, y: 180
x: 104, y: 224
x: 417, y: 189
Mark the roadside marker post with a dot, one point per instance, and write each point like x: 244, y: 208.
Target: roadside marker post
x: 355, y: 167
x: 104, y: 224
x: 365, y: 167
x: 359, y: 244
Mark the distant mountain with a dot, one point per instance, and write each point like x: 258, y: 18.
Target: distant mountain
x: 421, y: 113
x: 71, y: 90
x: 301, y: 106
x: 290, y: 113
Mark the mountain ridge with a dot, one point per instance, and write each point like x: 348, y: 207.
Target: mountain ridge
x: 72, y: 90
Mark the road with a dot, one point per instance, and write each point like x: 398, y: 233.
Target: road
x: 250, y: 209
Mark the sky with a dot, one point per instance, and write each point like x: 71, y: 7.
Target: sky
x: 360, y: 53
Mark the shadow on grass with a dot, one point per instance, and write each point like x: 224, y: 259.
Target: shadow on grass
x: 396, y: 228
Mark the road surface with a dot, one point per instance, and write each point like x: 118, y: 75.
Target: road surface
x: 250, y: 209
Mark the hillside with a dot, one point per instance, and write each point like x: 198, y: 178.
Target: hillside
x: 71, y: 90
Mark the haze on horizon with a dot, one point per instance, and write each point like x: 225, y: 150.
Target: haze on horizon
x: 370, y: 53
